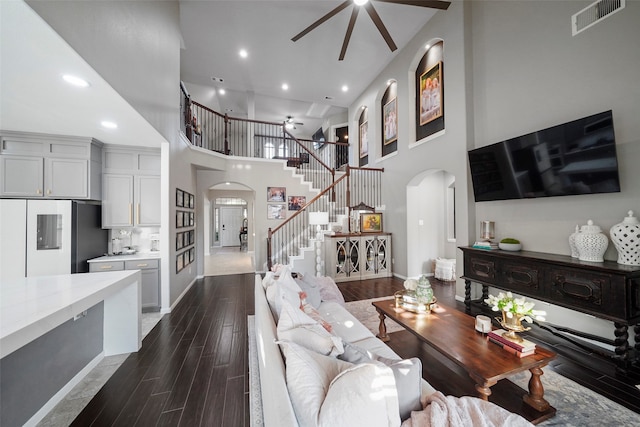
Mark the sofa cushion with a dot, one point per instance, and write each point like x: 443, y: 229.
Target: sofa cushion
x: 343, y: 323
x: 407, y: 373
x: 284, y: 288
x: 329, y: 392
x: 296, y: 326
x: 329, y: 291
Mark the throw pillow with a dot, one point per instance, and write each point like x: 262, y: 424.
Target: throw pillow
x: 315, y: 315
x: 268, y: 279
x: 312, y: 290
x: 407, y: 374
x: 296, y: 326
x: 327, y: 392
x: 286, y: 290
x: 329, y: 291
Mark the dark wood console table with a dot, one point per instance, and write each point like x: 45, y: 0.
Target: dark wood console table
x: 606, y: 290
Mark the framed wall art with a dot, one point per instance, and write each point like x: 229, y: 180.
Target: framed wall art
x: 390, y: 117
x: 276, y: 194
x: 370, y: 222
x: 276, y: 212
x: 179, y: 198
x: 296, y: 203
x: 431, y: 94
x: 364, y: 139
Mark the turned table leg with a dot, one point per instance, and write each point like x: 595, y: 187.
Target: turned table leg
x: 535, y: 397
x: 484, y: 391
x: 382, y: 329
x: 467, y: 295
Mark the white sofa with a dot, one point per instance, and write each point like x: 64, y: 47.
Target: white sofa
x: 276, y: 406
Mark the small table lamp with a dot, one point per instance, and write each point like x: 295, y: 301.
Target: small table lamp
x: 318, y: 219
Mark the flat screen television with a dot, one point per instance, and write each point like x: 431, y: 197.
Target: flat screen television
x: 578, y: 157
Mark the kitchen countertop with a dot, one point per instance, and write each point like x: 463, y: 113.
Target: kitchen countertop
x: 123, y: 257
x: 32, y: 306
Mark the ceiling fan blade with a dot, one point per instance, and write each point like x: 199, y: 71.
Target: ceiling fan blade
x: 347, y: 36
x: 321, y: 20
x: 383, y: 30
x: 433, y: 4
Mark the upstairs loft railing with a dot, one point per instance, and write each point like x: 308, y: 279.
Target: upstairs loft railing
x: 357, y: 187
x: 317, y: 161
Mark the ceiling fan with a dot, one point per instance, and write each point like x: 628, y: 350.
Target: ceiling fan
x: 290, y: 123
x: 368, y: 6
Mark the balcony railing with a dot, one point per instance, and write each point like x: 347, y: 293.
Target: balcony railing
x: 317, y: 161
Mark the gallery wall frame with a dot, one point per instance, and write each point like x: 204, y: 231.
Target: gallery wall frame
x: 276, y: 211
x: 363, y: 139
x: 390, y: 118
x: 431, y: 84
x: 185, y: 239
x: 277, y: 194
x: 295, y: 203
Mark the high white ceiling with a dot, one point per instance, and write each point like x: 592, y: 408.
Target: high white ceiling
x: 34, y: 57
x: 215, y: 31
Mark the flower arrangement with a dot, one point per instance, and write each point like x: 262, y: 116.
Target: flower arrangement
x: 515, y: 306
x: 411, y: 285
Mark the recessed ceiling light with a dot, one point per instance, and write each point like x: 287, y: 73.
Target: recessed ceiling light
x: 427, y: 47
x: 390, y: 82
x: 109, y: 125
x: 360, y: 2
x: 76, y: 81
x: 243, y: 53
x: 222, y: 91
x: 345, y: 88
x: 285, y: 86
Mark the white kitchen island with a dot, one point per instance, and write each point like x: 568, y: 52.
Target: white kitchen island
x: 55, y: 329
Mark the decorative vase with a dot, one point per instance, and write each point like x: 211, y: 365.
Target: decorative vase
x: 572, y: 243
x: 512, y: 325
x: 626, y: 238
x: 591, y: 243
x: 424, y: 292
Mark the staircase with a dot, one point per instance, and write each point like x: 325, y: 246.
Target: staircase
x: 340, y: 192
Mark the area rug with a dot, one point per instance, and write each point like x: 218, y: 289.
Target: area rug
x: 576, y: 406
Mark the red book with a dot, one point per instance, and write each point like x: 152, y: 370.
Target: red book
x: 513, y: 350
x: 524, y: 346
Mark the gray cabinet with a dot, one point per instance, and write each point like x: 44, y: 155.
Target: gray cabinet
x: 49, y: 166
x: 150, y: 273
x: 131, y: 187
x: 357, y: 256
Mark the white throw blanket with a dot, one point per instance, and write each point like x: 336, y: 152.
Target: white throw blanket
x: 450, y: 411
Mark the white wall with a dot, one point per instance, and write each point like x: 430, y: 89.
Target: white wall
x: 529, y: 73
x: 445, y: 152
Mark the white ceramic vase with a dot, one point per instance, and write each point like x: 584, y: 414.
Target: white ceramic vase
x: 626, y: 238
x: 572, y: 243
x: 591, y: 243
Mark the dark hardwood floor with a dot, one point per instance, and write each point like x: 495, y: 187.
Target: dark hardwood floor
x: 192, y: 368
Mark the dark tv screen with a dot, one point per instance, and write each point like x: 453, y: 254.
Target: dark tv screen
x: 577, y: 157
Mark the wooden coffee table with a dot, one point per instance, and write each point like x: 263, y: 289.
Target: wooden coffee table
x: 452, y: 333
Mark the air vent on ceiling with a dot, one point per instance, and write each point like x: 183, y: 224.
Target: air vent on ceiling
x: 594, y: 13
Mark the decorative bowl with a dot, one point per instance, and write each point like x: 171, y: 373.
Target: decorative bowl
x: 510, y: 246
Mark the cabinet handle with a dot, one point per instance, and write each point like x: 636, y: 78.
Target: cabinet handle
x: 131, y: 213
x: 38, y: 191
x: 106, y: 267
x: 142, y: 265
x: 48, y: 192
x: 138, y: 213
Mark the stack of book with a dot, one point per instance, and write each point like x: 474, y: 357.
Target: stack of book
x: 521, y: 349
x: 485, y: 244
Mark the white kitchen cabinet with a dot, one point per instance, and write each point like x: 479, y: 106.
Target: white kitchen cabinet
x: 358, y: 256
x: 131, y: 187
x: 49, y: 166
x: 150, y: 272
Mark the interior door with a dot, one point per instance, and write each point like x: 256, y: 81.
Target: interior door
x: 230, y: 224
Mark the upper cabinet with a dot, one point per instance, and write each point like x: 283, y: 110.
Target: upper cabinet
x: 50, y: 166
x: 131, y: 186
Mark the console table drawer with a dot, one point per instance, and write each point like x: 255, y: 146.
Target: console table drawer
x: 480, y: 268
x: 521, y: 278
x: 576, y: 288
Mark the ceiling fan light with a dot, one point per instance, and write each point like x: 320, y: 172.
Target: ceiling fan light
x: 360, y: 2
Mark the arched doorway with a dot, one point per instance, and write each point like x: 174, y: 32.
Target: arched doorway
x: 431, y: 231
x: 229, y: 206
